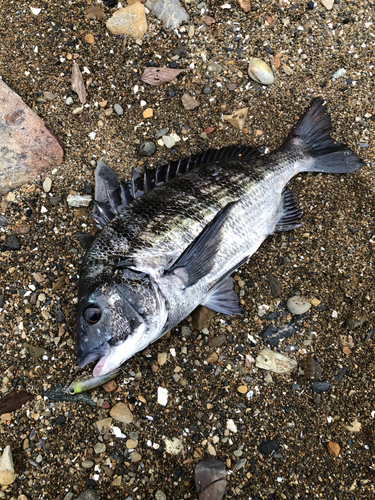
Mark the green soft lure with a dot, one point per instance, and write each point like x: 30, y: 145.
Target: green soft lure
x: 88, y: 382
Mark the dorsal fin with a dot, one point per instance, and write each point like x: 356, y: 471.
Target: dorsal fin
x: 153, y: 177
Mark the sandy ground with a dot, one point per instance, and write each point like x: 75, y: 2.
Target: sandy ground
x: 330, y: 258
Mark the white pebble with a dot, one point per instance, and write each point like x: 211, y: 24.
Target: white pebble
x: 162, y: 396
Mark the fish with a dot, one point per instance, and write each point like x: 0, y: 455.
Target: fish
x: 169, y: 240
x: 88, y: 383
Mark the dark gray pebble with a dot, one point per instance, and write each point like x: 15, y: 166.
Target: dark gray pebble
x: 370, y: 334
x: 1, y: 301
x: 340, y: 375
x: 87, y: 187
x: 210, y: 479
x: 3, y: 221
x: 268, y: 447
x: 355, y: 322
x: 296, y: 387
x: 55, y: 200
x: 104, y: 176
x: 273, y: 335
x: 11, y: 243
x: 180, y: 51
x: 274, y: 285
x: 89, y: 494
x: 320, y: 387
x: 363, y: 145
x: 147, y: 148
x: 206, y: 90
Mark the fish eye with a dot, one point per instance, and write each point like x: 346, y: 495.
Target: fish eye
x: 71, y: 390
x: 92, y: 314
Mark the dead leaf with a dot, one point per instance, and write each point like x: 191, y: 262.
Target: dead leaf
x: 12, y: 401
x: 78, y: 84
x: 237, y: 119
x: 245, y: 5
x: 355, y: 427
x: 158, y: 76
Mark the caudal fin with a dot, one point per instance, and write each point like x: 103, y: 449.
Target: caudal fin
x: 312, y: 133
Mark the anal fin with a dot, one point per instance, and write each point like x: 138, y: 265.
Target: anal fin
x: 222, y: 298
x: 289, y: 214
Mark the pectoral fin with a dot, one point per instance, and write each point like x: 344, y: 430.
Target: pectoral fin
x: 198, y: 258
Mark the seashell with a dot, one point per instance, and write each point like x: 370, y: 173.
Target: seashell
x: 260, y: 72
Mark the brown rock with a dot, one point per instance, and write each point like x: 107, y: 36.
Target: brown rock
x: 208, y: 20
x: 245, y: 5
x: 110, y: 386
x: 189, y: 102
x: 212, y: 358
x: 333, y: 449
x: 121, y: 413
x: 130, y: 20
x: 27, y: 147
x: 89, y: 38
x: 201, y: 317
x: 237, y: 119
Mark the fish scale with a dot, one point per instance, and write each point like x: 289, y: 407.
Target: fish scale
x: 161, y: 254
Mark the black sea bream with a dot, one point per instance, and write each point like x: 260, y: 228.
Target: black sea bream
x: 158, y: 256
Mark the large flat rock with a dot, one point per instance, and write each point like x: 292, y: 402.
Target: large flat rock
x: 27, y: 148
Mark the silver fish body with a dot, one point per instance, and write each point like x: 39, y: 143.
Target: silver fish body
x: 175, y: 247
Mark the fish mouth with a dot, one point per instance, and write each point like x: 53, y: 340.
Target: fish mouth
x: 100, y: 368
x: 99, y: 352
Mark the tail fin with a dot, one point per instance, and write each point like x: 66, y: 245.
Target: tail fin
x: 312, y: 133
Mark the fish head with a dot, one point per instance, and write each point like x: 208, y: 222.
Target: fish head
x: 117, y: 320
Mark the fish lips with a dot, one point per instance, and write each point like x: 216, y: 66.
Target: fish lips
x: 96, y: 353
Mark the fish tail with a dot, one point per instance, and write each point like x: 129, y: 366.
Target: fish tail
x: 312, y: 133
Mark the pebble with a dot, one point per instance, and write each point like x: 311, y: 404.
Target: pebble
x: 214, y: 68
x: 118, y: 109
x: 3, y: 221
x: 333, y: 448
x: 298, y: 305
x: 161, y: 132
x: 110, y: 386
x: 89, y: 494
x: 212, y: 358
x: 353, y: 323
x: 169, y: 141
x: 206, y: 90
x: 274, y: 335
x: 268, y: 379
x: 242, y: 389
x: 312, y: 369
x: 173, y: 446
x: 274, y: 285
x: 328, y: 4
x: 268, y: 447
x: 162, y: 358
x: 231, y: 426
x: 131, y: 444
x: 130, y: 20
x: 162, y: 396
x: 159, y: 495
x: 147, y: 148
x: 69, y: 101
x: 89, y: 38
x: 10, y: 243
x: 147, y: 113
x: 210, y: 479
x: 275, y: 362
x: 217, y: 341
x: 79, y: 200
x: 320, y: 387
x: 189, y: 102
x: 47, y: 184
x: 122, y: 413
x: 340, y: 374
x: 237, y: 119
x: 260, y: 72
x: 135, y: 457
x: 100, y: 448
x: 7, y: 474
x: 201, y: 317
x: 87, y: 464
x: 338, y: 74
x: 211, y: 450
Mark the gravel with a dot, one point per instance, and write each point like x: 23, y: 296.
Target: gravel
x: 330, y: 258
